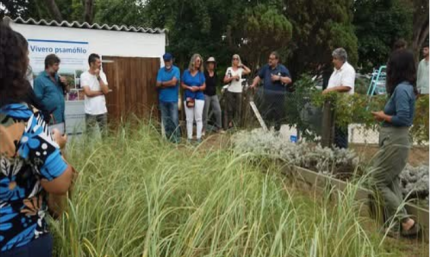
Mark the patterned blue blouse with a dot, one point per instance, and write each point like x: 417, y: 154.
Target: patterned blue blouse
x: 27, y: 155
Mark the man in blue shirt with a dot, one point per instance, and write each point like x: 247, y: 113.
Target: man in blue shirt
x: 50, y: 89
x: 275, y: 78
x: 168, y: 78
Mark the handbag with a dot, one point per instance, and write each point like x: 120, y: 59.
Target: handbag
x: 190, y: 101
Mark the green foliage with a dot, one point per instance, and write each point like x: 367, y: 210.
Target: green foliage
x: 318, y: 28
x: 378, y: 24
x: 121, y: 12
x: 264, y: 28
x: 130, y: 200
x: 420, y: 130
x: 357, y: 109
x: 300, y: 111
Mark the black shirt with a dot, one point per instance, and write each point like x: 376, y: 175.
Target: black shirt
x: 211, y: 83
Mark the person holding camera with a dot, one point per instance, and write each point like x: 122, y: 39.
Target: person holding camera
x: 194, y: 83
x: 32, y: 169
x: 233, y: 77
x: 50, y: 88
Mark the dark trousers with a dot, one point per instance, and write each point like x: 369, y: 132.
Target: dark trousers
x: 272, y: 105
x: 41, y: 247
x: 234, y: 107
x: 92, y: 120
x: 169, y: 116
x: 341, y: 137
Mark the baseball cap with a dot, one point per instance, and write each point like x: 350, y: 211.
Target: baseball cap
x: 167, y: 57
x: 211, y: 59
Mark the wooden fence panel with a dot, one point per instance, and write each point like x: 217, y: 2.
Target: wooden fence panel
x: 132, y: 80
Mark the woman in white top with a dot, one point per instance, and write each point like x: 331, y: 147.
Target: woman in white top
x: 233, y: 77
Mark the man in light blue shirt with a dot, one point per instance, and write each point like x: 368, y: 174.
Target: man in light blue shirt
x: 168, y: 78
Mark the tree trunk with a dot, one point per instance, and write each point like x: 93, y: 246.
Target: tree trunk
x: 421, y: 26
x: 53, y: 10
x: 89, y: 11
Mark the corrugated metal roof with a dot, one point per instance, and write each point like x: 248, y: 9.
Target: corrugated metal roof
x: 85, y: 25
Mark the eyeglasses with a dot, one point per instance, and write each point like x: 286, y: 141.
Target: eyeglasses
x: 270, y: 58
x: 198, y: 60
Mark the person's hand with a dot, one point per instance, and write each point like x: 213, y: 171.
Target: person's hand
x: 326, y: 91
x: 275, y: 78
x: 59, y: 139
x: 97, y: 71
x: 63, y: 80
x: 193, y: 89
x: 379, y: 116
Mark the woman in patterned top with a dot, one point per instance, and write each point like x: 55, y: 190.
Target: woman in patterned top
x: 31, y: 164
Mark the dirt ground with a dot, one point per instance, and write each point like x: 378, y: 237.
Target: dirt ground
x: 419, y: 155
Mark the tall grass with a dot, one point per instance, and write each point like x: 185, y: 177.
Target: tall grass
x: 140, y: 196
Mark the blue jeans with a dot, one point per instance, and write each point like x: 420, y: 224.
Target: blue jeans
x: 169, y: 116
x: 41, y: 247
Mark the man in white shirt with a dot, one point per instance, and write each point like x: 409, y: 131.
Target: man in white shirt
x: 95, y: 87
x: 423, y: 72
x: 342, y: 80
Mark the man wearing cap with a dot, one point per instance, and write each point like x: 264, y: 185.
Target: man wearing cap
x: 211, y: 98
x: 168, y: 89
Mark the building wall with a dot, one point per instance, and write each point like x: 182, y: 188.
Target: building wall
x: 103, y: 42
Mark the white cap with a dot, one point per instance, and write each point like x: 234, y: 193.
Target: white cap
x: 211, y: 59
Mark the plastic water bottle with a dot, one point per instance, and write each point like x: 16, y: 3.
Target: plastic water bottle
x: 293, y: 139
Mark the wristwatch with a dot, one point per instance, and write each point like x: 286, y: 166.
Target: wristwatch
x: 99, y: 78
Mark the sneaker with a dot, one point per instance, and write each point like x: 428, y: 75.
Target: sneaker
x: 198, y: 141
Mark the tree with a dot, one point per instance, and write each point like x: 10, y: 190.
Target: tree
x: 123, y: 12
x: 318, y: 28
x: 421, y: 24
x: 53, y: 10
x: 264, y: 28
x: 378, y: 25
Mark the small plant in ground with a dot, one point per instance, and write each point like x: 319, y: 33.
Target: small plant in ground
x: 414, y: 182
x: 340, y: 163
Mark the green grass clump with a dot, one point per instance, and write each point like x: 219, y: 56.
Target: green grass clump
x: 138, y: 195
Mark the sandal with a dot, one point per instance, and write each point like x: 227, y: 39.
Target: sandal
x: 413, y: 231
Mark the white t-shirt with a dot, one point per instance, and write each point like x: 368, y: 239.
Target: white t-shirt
x: 345, y: 76
x: 235, y: 86
x: 94, y: 105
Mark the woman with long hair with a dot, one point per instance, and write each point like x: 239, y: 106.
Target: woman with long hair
x: 233, y: 77
x: 194, y: 83
x: 395, y: 142
x: 32, y: 164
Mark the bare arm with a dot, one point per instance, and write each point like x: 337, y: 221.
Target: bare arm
x: 103, y: 86
x: 60, y: 185
x: 89, y: 93
x: 184, y: 86
x: 246, y: 70
x: 286, y: 80
x: 257, y: 80
x: 202, y: 87
x: 170, y: 83
x: 340, y: 89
